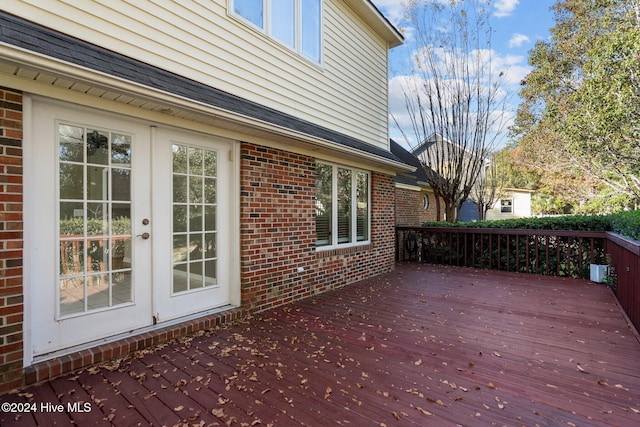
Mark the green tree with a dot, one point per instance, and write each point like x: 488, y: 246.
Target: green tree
x: 581, y: 111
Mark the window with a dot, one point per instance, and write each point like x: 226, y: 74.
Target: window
x: 296, y: 24
x: 342, y: 206
x: 506, y: 205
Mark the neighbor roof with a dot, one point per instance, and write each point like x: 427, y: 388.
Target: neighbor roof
x: 29, y: 36
x: 417, y: 177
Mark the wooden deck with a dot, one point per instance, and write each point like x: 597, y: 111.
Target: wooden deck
x: 424, y: 345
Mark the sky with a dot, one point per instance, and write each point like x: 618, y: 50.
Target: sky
x: 517, y: 25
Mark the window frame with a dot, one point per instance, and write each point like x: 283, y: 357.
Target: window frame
x: 506, y: 206
x: 267, y: 24
x: 334, y: 242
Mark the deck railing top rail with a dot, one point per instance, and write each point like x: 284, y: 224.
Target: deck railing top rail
x: 509, y: 231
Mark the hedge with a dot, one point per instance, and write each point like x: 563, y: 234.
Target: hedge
x: 623, y: 223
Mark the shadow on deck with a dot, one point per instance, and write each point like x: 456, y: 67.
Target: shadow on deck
x: 423, y: 345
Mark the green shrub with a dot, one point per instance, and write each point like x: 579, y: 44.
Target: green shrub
x: 624, y: 223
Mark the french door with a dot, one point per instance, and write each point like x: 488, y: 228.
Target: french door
x: 127, y: 225
x: 192, y: 187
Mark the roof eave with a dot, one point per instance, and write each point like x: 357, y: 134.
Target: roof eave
x: 372, y: 15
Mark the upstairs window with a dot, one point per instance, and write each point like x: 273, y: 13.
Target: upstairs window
x: 342, y: 206
x: 296, y: 24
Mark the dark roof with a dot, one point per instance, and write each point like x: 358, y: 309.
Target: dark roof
x: 30, y: 36
x: 418, y: 177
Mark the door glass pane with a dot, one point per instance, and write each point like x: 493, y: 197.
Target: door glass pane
x: 210, y: 272
x: 194, y: 218
x: 122, y: 287
x: 121, y: 149
x: 71, y: 219
x: 180, y: 188
x: 95, y: 232
x: 71, y: 143
x: 121, y: 184
x: 97, y: 182
x: 97, y: 221
x: 71, y: 181
x: 72, y: 295
x: 97, y: 147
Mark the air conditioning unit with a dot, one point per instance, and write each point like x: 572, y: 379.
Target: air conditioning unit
x: 599, y: 272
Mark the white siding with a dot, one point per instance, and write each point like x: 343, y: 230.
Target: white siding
x: 199, y: 40
x: 521, y: 206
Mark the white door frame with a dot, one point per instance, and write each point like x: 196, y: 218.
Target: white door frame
x: 32, y: 215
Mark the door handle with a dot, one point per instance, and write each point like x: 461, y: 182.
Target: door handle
x: 145, y: 236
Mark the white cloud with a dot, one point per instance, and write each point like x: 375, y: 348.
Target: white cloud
x: 518, y: 40
x: 505, y: 7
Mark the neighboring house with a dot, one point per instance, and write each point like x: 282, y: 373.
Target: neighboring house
x: 513, y: 203
x: 164, y: 162
x: 415, y: 201
x: 450, y: 163
x: 444, y: 156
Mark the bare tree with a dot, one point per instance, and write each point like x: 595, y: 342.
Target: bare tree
x: 489, y: 187
x: 453, y: 96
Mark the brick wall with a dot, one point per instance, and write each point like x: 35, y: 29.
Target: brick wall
x: 11, y: 302
x: 408, y: 207
x: 410, y: 211
x: 278, y: 231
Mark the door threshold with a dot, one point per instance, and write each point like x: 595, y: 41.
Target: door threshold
x: 50, y: 365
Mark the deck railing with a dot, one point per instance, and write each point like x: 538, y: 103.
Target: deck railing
x: 624, y: 257
x: 546, y: 252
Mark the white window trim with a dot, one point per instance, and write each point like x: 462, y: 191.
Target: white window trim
x: 266, y: 27
x: 510, y: 211
x: 354, y: 209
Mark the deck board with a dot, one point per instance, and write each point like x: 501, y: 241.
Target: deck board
x: 423, y: 345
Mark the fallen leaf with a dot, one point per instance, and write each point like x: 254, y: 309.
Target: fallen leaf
x: 496, y: 354
x: 178, y: 408
x: 218, y: 413
x: 327, y: 393
x: 423, y: 411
